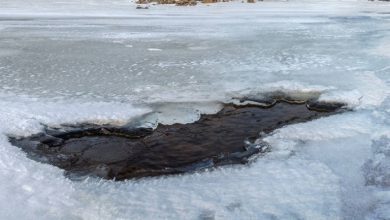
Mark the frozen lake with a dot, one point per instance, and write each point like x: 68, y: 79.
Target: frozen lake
x: 106, y: 62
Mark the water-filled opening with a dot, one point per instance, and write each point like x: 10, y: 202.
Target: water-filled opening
x: 230, y: 136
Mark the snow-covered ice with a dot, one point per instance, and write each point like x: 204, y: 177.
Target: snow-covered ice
x: 103, y: 61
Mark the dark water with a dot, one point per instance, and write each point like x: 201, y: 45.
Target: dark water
x: 227, y: 137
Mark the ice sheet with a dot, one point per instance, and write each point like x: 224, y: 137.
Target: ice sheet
x: 106, y: 62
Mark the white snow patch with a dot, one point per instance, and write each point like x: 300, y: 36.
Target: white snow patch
x: 154, y: 49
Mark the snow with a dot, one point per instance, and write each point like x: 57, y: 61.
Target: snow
x: 106, y: 62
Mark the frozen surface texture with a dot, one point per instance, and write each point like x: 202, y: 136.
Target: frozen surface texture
x: 100, y: 61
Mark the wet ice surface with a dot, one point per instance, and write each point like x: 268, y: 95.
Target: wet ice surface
x: 105, y: 62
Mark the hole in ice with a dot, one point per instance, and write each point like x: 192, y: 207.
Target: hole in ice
x: 225, y: 138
